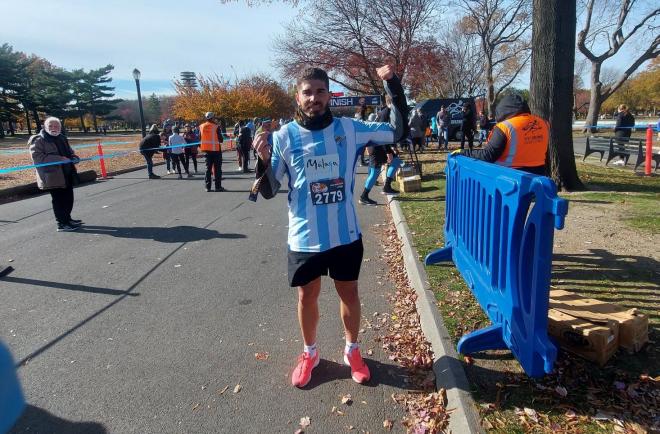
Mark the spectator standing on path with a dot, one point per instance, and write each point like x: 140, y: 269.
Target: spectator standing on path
x: 190, y: 152
x: 467, y: 126
x: 519, y: 139
x: 434, y: 129
x: 176, y: 144
x: 148, y: 147
x: 417, y: 130
x: 51, y: 146
x: 484, y: 126
x: 237, y: 132
x: 625, y: 122
x: 443, y: 127
x: 318, y: 154
x: 243, y: 146
x: 211, y: 138
x: 164, y: 141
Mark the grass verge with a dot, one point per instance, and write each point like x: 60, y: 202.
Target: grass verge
x: 579, y: 396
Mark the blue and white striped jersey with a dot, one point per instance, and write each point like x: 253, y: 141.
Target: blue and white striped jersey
x: 320, y: 166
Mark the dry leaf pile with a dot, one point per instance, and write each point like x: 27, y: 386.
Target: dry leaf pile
x: 405, y: 342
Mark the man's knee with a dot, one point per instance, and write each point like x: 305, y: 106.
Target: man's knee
x: 348, y: 291
x: 309, y: 294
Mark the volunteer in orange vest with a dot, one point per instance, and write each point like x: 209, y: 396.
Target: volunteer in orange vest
x: 211, y: 137
x: 519, y: 139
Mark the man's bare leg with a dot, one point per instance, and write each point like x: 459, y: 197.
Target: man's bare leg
x: 308, y: 310
x: 349, y: 308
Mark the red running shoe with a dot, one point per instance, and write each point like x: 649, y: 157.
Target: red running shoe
x: 302, y: 373
x: 359, y: 369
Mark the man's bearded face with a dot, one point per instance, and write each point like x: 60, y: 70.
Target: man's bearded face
x: 313, y: 97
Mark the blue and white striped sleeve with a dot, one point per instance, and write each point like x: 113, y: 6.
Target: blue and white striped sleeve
x: 377, y: 133
x: 277, y: 161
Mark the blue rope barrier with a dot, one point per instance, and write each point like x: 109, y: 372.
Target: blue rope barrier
x: 93, y: 158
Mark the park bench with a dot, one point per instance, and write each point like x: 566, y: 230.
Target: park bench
x: 619, y: 147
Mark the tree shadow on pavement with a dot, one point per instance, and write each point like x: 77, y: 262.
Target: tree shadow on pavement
x: 175, y: 234
x: 37, y: 420
x: 381, y: 373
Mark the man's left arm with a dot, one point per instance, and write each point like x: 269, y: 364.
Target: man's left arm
x: 493, y: 149
x: 220, y: 135
x: 397, y: 128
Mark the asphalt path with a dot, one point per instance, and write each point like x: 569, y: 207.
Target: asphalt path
x: 147, y: 319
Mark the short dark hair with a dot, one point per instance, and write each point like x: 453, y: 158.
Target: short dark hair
x: 313, y: 74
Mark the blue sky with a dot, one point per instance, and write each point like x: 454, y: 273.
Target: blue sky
x: 160, y: 38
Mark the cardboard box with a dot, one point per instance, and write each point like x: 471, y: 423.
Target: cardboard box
x: 410, y: 184
x: 633, y: 326
x: 406, y: 172
x: 596, y: 342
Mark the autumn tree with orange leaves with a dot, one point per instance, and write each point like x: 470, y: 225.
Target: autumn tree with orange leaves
x: 255, y: 96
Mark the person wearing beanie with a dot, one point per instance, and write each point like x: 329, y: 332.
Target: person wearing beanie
x: 51, y: 146
x: 519, y: 139
x: 148, y: 147
x: 468, y: 126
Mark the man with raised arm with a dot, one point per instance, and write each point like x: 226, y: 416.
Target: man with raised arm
x: 318, y: 154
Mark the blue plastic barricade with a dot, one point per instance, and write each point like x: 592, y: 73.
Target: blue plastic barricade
x: 503, y: 250
x: 11, y: 398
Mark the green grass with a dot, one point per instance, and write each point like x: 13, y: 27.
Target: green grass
x: 630, y: 281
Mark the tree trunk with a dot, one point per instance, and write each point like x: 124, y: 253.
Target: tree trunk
x: 27, y: 121
x: 551, y: 84
x: 595, y: 99
x: 96, y: 127
x: 2, y: 129
x: 490, y: 87
x: 82, y: 124
x: 37, y: 121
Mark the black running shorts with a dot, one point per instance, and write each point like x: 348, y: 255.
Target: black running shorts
x: 341, y: 263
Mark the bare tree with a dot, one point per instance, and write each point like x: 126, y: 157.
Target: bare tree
x: 503, y: 28
x: 611, y: 24
x: 453, y: 70
x: 551, y: 83
x: 350, y: 38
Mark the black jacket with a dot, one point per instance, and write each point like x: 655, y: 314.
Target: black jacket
x: 468, y: 122
x: 624, y: 123
x: 510, y: 106
x: 150, y: 142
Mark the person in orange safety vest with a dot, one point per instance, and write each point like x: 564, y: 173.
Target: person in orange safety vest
x: 211, y: 138
x: 519, y: 139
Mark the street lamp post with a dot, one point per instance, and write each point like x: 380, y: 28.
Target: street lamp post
x: 136, y: 76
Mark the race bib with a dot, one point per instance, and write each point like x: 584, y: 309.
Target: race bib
x: 327, y: 191
x: 321, y: 167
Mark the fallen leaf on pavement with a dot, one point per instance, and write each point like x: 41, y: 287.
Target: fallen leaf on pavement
x: 347, y: 399
x: 387, y: 424
x: 224, y: 389
x: 305, y: 422
x: 261, y: 356
x: 237, y: 388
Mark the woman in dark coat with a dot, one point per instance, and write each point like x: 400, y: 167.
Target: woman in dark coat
x: 148, y: 147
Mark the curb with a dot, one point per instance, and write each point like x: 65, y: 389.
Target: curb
x: 21, y: 191
x: 449, y: 373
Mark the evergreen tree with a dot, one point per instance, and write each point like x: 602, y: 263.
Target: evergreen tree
x: 100, y: 94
